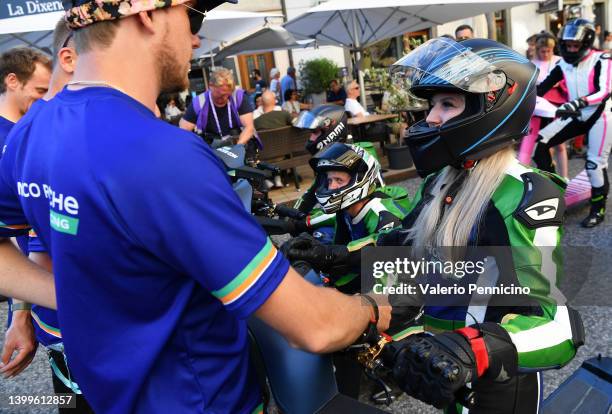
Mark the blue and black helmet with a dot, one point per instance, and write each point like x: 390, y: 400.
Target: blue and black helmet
x: 499, y: 86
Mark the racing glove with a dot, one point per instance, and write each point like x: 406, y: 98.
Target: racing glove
x: 435, y: 369
x: 298, y: 226
x: 571, y: 108
x: 320, y: 256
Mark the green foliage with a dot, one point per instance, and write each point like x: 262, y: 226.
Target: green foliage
x: 378, y: 79
x: 316, y: 74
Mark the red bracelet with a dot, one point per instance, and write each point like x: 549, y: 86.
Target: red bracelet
x: 478, y: 346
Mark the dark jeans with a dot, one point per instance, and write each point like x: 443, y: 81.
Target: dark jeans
x: 82, y: 406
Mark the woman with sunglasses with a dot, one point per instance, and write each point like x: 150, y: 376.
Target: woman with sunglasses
x: 477, y: 199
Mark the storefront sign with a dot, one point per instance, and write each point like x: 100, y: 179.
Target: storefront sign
x: 19, y: 8
x: 550, y: 6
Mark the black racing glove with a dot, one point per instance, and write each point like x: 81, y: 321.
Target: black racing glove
x: 298, y: 226
x: 571, y: 108
x: 435, y: 369
x: 322, y: 257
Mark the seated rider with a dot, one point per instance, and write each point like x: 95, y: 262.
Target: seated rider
x: 347, y: 186
x: 477, y: 195
x: 328, y: 124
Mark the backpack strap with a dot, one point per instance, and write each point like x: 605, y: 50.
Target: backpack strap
x: 200, y: 106
x: 235, y: 103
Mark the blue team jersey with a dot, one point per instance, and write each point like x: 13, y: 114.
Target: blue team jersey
x: 157, y: 265
x: 45, y: 321
x: 5, y: 128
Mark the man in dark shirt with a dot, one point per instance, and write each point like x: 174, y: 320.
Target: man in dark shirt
x: 222, y: 110
x: 336, y: 94
x: 273, y: 116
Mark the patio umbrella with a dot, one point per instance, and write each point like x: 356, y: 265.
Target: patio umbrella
x: 29, y: 23
x: 359, y: 23
x: 221, y: 26
x: 265, y: 40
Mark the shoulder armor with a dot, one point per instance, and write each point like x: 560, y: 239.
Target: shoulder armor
x: 542, y: 203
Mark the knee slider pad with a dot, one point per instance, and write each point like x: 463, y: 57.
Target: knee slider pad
x: 590, y: 165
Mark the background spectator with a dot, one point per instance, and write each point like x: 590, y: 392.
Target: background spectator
x: 275, y: 85
x: 273, y: 116
x: 220, y: 111
x: 288, y: 82
x: 545, y: 60
x: 336, y: 94
x: 292, y: 102
x: 607, y: 44
x: 531, y: 43
x: 597, y: 41
x: 258, y: 106
x: 260, y: 84
x: 463, y: 32
x: 172, y: 111
x: 378, y: 130
x: 352, y: 105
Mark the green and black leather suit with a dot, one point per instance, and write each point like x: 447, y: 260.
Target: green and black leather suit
x: 525, y: 213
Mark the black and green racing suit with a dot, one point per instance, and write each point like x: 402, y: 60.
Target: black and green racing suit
x: 525, y: 213
x: 382, y: 212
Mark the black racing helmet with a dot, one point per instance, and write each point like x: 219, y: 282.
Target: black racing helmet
x: 499, y: 86
x: 328, y: 123
x: 577, y: 30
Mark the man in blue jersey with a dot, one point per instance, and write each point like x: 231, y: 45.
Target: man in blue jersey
x: 24, y: 77
x: 36, y: 324
x: 156, y: 269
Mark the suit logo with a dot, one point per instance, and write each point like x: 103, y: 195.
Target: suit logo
x: 544, y: 210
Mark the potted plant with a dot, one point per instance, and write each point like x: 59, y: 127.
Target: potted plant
x: 379, y: 81
x: 316, y: 75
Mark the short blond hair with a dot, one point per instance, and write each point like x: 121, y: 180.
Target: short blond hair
x: 99, y: 35
x: 221, y: 76
x: 545, y: 41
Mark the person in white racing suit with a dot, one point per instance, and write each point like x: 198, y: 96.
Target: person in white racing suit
x: 588, y: 74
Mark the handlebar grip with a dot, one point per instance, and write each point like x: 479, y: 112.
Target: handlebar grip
x: 265, y: 166
x: 275, y: 226
x: 290, y: 212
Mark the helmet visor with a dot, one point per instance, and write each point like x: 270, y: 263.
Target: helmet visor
x: 443, y: 61
x: 335, y: 157
x: 573, y: 32
x: 306, y: 120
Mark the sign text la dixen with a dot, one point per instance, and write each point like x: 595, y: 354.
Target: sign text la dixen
x: 21, y: 8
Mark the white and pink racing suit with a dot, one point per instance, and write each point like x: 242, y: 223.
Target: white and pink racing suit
x: 589, y: 79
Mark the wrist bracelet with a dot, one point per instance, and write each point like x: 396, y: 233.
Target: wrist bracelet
x: 374, y: 306
x: 21, y: 306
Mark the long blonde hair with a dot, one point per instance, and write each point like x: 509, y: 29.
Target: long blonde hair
x: 436, y: 228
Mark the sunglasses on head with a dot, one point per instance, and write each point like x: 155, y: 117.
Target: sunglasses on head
x: 65, y: 44
x: 196, y: 19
